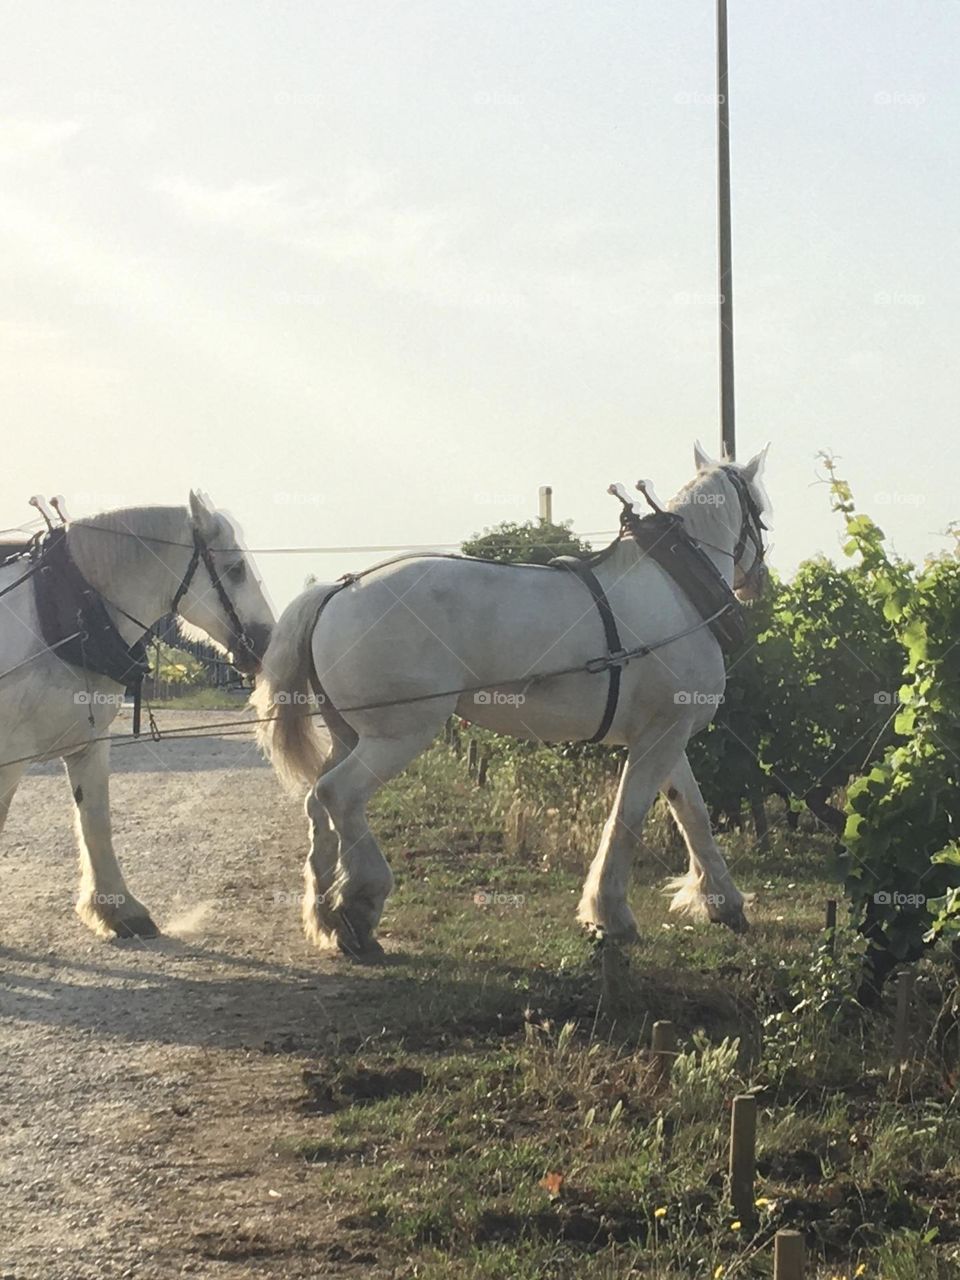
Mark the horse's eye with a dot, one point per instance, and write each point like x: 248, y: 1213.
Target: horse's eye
x: 237, y: 572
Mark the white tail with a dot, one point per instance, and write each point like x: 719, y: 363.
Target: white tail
x: 290, y: 733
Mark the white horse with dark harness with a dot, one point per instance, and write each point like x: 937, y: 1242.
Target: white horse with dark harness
x: 74, y: 607
x: 621, y: 649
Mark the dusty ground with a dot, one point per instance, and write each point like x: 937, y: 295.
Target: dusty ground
x: 147, y: 1088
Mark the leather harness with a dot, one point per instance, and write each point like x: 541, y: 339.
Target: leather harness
x: 663, y: 536
x: 74, y: 617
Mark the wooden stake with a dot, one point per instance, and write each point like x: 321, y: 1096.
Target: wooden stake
x: 788, y: 1255
x: 830, y: 924
x: 482, y: 767
x: 663, y: 1042
x: 901, y: 1035
x: 473, y: 754
x: 743, y: 1155
x: 614, y: 975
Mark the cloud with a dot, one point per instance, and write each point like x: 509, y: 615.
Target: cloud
x: 452, y: 256
x: 25, y: 139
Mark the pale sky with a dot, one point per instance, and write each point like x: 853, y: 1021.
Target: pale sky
x: 372, y: 271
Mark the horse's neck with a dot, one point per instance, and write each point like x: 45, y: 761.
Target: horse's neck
x: 711, y: 516
x: 135, y: 559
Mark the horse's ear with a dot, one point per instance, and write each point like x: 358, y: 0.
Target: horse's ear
x: 702, y: 459
x: 203, y: 515
x: 754, y: 468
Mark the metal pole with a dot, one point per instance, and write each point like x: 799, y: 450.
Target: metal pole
x: 546, y: 504
x: 728, y: 433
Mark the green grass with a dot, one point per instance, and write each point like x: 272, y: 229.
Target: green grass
x: 203, y: 700
x: 496, y: 1114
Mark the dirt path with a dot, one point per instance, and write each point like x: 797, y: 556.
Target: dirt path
x: 146, y: 1087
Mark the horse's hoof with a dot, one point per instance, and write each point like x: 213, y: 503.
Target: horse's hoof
x: 368, y: 952
x: 136, y: 927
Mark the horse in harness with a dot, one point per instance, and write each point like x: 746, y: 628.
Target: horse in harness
x: 625, y: 648
x: 77, y: 601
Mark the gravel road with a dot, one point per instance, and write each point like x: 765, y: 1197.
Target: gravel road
x: 147, y: 1089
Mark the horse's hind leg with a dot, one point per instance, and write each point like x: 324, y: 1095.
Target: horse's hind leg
x: 320, y: 868
x: 603, y: 903
x: 707, y: 888
x: 105, y: 903
x: 363, y: 879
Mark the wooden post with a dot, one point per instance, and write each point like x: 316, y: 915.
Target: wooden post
x: 473, y: 754
x: 743, y: 1155
x: 614, y: 975
x: 788, y: 1255
x: 663, y: 1042
x: 761, y: 825
x: 482, y: 767
x: 728, y: 434
x: 546, y: 504
x: 901, y: 1035
x: 830, y: 924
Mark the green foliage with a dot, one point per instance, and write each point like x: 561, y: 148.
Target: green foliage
x: 807, y: 700
x: 175, y: 666
x: 533, y: 542
x: 904, y: 823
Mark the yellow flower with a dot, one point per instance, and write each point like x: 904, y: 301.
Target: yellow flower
x: 762, y: 1202
x: 718, y: 1273
x: 661, y: 1212
x: 735, y: 1226
x: 861, y: 1270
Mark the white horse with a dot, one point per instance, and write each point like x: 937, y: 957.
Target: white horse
x: 142, y: 562
x: 396, y: 651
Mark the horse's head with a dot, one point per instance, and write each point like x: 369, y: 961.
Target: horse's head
x: 221, y: 593
x: 750, y: 573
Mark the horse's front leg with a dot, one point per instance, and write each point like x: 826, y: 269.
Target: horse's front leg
x: 603, y: 903
x: 105, y: 903
x: 707, y: 888
x: 9, y: 780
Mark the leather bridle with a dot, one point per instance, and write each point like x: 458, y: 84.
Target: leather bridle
x: 202, y: 552
x: 751, y: 526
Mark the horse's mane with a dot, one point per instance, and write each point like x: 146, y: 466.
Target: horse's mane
x: 119, y: 541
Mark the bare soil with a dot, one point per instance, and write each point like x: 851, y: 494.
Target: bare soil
x: 148, y: 1088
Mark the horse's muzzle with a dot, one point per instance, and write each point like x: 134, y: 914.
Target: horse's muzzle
x: 247, y: 653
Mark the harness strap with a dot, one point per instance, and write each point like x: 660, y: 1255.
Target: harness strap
x: 610, y: 632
